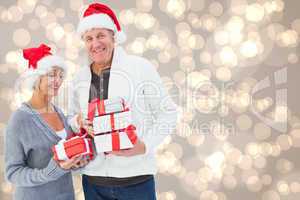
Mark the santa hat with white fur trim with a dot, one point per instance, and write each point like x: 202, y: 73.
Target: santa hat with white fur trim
x: 101, y: 16
x: 40, y: 62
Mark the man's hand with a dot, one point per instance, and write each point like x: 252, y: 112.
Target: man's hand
x: 83, y: 123
x: 138, y: 148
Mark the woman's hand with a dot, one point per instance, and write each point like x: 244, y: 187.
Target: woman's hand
x: 85, y: 124
x: 83, y: 162
x: 70, y: 163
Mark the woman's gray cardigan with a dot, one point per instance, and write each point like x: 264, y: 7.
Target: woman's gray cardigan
x: 28, y: 158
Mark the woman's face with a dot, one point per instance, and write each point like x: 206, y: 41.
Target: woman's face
x: 51, y: 82
x: 99, y: 43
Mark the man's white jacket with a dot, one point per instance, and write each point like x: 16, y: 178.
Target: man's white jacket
x: 154, y: 113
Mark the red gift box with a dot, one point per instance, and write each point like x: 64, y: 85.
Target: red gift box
x: 66, y: 149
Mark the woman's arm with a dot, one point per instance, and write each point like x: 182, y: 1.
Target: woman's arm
x: 16, y: 168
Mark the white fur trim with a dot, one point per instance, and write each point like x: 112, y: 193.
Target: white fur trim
x: 120, y: 37
x: 100, y: 21
x: 43, y: 67
x: 95, y: 21
x: 46, y: 63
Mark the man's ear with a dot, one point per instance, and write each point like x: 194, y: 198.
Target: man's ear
x: 112, y: 35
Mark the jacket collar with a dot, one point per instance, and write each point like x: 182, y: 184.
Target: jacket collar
x: 40, y: 122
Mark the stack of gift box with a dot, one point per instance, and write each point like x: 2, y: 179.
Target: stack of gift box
x: 112, y: 131
x: 112, y: 125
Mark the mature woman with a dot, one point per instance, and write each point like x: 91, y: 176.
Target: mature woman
x: 34, y: 128
x: 126, y: 174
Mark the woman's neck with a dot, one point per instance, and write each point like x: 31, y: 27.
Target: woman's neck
x: 41, y: 103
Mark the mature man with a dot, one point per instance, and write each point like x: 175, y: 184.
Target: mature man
x: 125, y: 174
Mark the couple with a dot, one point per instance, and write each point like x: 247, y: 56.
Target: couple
x: 38, y: 124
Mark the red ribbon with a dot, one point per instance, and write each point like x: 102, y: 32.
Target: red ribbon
x: 131, y: 134
x: 112, y: 122
x: 74, y: 147
x: 99, y: 105
x: 91, y: 154
x: 115, y: 137
x: 130, y: 131
x: 124, y: 105
x: 82, y: 133
x: 95, y: 103
x: 33, y: 55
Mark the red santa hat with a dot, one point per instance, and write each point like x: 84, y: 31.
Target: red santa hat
x: 40, y: 62
x: 101, y: 16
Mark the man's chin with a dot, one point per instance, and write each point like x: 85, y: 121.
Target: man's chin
x: 100, y: 58
x: 98, y: 61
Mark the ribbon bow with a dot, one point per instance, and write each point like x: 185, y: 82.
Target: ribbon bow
x: 93, y: 105
x: 33, y: 55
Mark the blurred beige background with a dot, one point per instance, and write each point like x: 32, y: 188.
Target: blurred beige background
x: 232, y: 66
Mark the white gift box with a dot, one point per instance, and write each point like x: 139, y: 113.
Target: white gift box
x: 104, y: 143
x: 102, y: 107
x: 115, y: 141
x: 111, y: 122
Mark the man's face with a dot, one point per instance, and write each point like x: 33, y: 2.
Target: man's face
x: 99, y: 43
